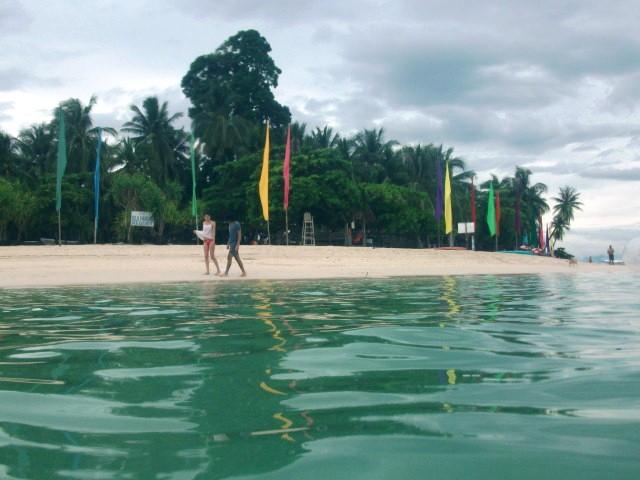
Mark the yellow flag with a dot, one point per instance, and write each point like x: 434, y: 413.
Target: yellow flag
x: 263, y: 187
x: 448, y: 214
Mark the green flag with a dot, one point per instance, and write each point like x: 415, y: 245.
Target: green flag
x: 62, y: 158
x: 192, y: 150
x: 491, y: 211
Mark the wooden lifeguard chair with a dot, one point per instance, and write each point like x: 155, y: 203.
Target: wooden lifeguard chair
x: 308, y: 232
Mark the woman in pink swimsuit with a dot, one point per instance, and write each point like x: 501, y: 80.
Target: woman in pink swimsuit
x: 208, y: 237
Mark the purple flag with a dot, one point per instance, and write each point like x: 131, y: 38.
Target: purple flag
x: 439, y: 192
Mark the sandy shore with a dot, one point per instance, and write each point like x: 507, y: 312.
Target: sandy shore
x: 41, y: 266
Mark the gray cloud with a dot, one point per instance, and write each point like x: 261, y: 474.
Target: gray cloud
x: 606, y: 173
x: 13, y: 17
x: 285, y: 12
x: 14, y: 78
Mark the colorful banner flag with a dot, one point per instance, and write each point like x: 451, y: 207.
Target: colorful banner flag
x: 448, y: 213
x: 439, y: 192
x: 192, y: 154
x: 96, y: 178
x: 491, y: 211
x: 285, y: 168
x: 498, y: 212
x: 61, y: 163
x: 263, y: 187
x: 472, y: 199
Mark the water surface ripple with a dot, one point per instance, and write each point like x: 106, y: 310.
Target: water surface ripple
x: 521, y: 377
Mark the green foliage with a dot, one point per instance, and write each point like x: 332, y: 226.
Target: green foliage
x: 386, y: 188
x: 398, y: 210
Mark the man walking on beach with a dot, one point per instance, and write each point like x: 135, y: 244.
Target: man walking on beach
x: 610, y: 253
x: 235, y: 234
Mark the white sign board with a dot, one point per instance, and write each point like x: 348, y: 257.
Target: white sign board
x: 468, y: 227
x: 141, y: 219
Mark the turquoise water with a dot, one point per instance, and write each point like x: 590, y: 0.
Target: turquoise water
x: 491, y: 377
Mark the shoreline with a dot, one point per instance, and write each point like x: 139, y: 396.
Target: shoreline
x: 95, y: 265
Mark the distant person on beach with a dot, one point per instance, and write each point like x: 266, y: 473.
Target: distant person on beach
x: 208, y: 237
x: 235, y: 234
x: 610, y: 252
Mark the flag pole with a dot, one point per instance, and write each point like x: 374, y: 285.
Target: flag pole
x: 286, y: 225
x: 268, y: 233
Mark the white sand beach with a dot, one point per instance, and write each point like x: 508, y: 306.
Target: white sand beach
x: 43, y: 266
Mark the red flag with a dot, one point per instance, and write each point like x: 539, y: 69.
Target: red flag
x: 285, y: 168
x: 497, y: 213
x: 473, y: 203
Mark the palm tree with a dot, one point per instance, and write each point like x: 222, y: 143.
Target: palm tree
x: 35, y: 145
x: 297, y: 136
x: 152, y: 128
x: 7, y: 155
x: 81, y: 134
x: 528, y: 200
x: 323, y: 138
x: 224, y: 135
x: 371, y: 155
x: 567, y: 202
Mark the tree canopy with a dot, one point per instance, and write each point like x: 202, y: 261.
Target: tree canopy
x: 385, y: 189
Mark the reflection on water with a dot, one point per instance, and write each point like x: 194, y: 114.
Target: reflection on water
x: 459, y: 377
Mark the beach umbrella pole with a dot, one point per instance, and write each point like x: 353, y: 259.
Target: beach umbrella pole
x: 95, y: 230
x: 59, y: 231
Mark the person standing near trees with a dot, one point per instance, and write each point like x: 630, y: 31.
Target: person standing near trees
x: 208, y: 237
x: 610, y: 252
x: 235, y: 235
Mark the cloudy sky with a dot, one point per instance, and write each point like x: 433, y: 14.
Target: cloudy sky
x: 550, y: 85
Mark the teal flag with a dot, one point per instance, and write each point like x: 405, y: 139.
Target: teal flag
x: 62, y: 158
x: 96, y: 177
x: 194, y: 206
x: 491, y: 211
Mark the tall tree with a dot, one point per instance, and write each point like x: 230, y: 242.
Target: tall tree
x: 323, y: 138
x: 154, y: 133
x: 7, y: 156
x: 567, y: 202
x: 81, y: 133
x: 36, y: 148
x: 235, y: 80
x: 371, y: 154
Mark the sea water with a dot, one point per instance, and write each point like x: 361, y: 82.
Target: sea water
x: 485, y: 377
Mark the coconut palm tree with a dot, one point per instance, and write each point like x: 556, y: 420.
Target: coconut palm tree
x: 371, y: 155
x: 567, y: 202
x: 529, y: 203
x: 81, y: 133
x: 35, y: 145
x: 7, y: 155
x: 323, y: 138
x: 224, y: 135
x: 297, y: 136
x: 152, y: 129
